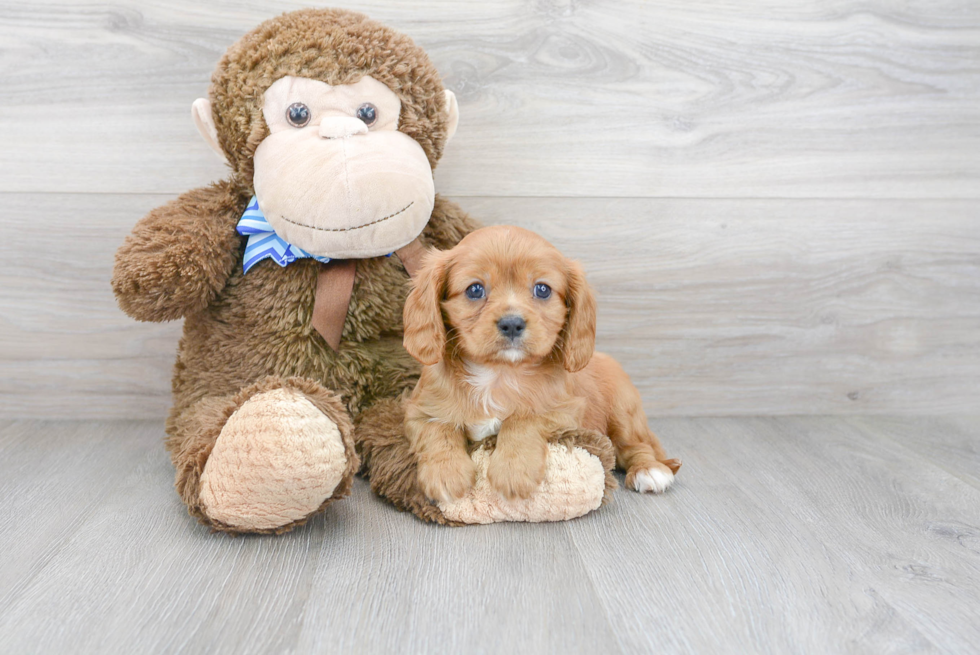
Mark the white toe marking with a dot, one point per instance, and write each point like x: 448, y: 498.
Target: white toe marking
x: 653, y: 480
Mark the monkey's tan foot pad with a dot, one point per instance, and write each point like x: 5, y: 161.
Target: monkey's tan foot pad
x: 277, y: 459
x: 573, y: 486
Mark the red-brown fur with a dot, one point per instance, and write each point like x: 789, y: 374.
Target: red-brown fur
x: 552, y: 379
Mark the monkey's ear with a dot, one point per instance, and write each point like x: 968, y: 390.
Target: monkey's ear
x: 453, y: 108
x: 425, y: 331
x: 201, y: 111
x: 578, y: 336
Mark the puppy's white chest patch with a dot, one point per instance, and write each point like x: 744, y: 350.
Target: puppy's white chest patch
x: 482, y: 379
x: 482, y: 430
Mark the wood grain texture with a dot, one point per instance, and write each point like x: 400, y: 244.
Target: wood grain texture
x: 791, y: 518
x: 769, y: 302
x: 558, y: 97
x: 362, y: 578
x: 714, y: 307
x: 52, y: 477
x: 954, y: 448
x: 782, y: 535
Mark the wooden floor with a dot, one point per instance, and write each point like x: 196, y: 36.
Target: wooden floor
x: 811, y: 535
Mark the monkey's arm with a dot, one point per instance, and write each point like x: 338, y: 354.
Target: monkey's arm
x: 449, y: 224
x: 179, y: 256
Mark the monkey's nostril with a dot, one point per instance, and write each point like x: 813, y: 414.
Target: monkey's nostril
x: 341, y: 127
x: 511, y: 326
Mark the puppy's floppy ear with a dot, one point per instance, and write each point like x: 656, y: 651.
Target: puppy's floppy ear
x: 425, y: 331
x: 577, y: 340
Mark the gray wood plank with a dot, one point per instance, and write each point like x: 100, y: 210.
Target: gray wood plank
x: 723, y: 567
x: 144, y: 572
x: 53, y: 476
x: 910, y: 524
x: 509, y: 588
x: 558, y: 98
x: 781, y: 535
x: 7, y: 436
x: 807, y: 535
x: 362, y: 578
x: 952, y: 443
x: 714, y: 307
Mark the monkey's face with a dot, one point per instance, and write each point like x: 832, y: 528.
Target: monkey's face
x: 334, y: 176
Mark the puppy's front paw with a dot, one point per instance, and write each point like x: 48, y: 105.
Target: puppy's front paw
x: 446, y: 479
x: 655, y: 479
x: 515, y: 477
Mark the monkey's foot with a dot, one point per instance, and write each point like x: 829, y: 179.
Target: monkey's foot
x: 277, y: 460
x: 574, y: 485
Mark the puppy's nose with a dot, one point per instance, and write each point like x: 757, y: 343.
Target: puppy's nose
x: 511, y: 326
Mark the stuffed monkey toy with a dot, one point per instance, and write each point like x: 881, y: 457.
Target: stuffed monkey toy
x: 291, y: 276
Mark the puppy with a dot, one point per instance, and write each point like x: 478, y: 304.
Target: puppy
x: 505, y: 327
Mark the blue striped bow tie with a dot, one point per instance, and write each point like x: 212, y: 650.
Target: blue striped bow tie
x: 263, y: 241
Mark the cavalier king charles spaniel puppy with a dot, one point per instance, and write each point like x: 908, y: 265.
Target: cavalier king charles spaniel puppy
x: 504, y: 325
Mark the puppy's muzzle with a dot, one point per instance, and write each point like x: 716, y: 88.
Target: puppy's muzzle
x: 511, y: 326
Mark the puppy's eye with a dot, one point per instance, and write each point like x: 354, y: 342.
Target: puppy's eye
x: 475, y: 291
x: 542, y: 291
x: 298, y: 114
x: 368, y: 113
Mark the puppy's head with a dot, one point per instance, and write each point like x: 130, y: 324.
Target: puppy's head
x: 503, y: 295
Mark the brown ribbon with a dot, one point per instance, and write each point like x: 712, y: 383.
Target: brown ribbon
x: 411, y: 257
x: 334, y: 285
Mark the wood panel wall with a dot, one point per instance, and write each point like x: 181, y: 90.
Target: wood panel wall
x: 776, y: 201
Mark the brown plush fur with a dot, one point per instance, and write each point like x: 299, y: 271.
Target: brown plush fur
x: 541, y: 381
x: 193, y: 433
x: 387, y: 458
x: 247, y: 333
x: 179, y: 257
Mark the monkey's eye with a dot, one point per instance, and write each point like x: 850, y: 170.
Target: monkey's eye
x: 475, y: 291
x: 298, y: 114
x: 542, y: 291
x: 368, y: 113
